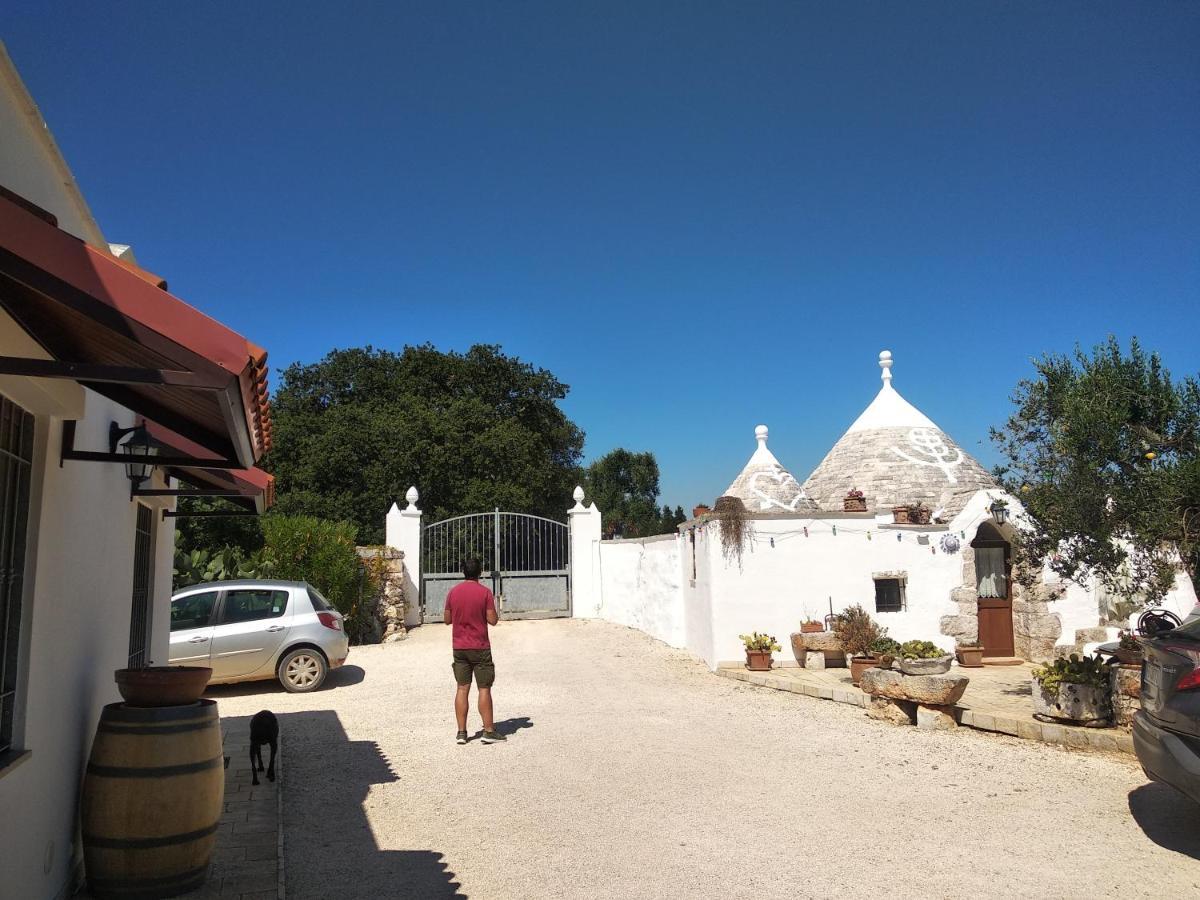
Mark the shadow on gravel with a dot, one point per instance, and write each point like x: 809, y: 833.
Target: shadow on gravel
x: 338, y: 678
x: 329, y: 847
x: 1166, y: 817
x: 512, y: 726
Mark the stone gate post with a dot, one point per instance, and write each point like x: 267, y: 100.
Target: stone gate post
x: 403, y: 532
x: 585, y: 557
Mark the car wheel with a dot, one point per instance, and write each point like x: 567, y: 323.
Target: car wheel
x: 302, y: 670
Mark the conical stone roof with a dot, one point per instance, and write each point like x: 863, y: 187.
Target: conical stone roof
x: 896, y: 456
x: 765, y: 486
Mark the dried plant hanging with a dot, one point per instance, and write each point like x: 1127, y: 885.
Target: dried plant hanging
x: 736, y: 528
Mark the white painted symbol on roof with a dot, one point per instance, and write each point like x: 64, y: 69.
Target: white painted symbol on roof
x: 934, y: 451
x: 785, y: 481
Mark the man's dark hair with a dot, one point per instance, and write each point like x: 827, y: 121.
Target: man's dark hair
x: 472, y: 567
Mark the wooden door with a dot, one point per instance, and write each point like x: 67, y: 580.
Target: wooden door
x: 995, y: 626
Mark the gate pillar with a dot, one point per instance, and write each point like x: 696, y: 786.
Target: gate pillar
x: 403, y: 532
x: 585, y: 561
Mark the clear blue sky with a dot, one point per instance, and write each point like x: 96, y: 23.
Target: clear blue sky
x: 701, y: 216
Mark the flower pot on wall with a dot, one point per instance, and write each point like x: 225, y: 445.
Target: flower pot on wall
x: 900, y: 515
x: 701, y: 510
x: 758, y: 660
x: 854, y: 504
x: 811, y: 628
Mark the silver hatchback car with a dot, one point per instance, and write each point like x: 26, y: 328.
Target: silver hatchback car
x: 250, y: 630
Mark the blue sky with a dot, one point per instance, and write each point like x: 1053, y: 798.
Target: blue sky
x: 699, y: 216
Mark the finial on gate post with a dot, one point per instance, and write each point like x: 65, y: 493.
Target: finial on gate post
x: 885, y: 363
x: 412, y: 497
x: 578, y: 495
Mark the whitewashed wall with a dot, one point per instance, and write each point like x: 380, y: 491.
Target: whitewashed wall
x: 640, y: 586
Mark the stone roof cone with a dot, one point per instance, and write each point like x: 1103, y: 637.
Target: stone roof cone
x: 765, y: 486
x: 897, y: 456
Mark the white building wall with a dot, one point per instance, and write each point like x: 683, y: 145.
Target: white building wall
x: 640, y: 586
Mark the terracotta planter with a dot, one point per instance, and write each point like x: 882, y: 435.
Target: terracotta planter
x: 698, y: 511
x: 900, y: 515
x: 162, y: 685
x: 758, y: 660
x: 1130, y: 657
x: 860, y: 664
x: 854, y: 504
x: 970, y: 657
x: 811, y: 628
x: 921, y: 517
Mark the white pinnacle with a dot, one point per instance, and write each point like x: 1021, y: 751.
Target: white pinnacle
x: 885, y: 363
x: 760, y: 434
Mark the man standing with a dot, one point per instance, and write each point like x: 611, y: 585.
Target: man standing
x: 471, y: 608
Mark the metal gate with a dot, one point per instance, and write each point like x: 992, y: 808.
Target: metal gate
x: 525, y: 563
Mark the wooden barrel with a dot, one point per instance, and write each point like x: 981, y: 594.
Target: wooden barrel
x: 152, y: 800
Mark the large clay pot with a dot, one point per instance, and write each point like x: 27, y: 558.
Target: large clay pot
x: 758, y: 660
x: 1078, y: 703
x: 152, y: 800
x: 970, y: 657
x: 860, y: 664
x: 939, y: 666
x: 162, y: 685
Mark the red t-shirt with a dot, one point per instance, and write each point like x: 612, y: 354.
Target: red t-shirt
x: 469, y: 603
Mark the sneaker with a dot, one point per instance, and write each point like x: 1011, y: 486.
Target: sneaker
x: 460, y: 738
x: 493, y: 737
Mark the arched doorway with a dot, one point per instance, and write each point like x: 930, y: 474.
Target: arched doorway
x: 993, y: 587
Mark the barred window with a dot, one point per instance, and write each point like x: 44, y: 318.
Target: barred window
x: 16, y: 466
x: 889, y: 595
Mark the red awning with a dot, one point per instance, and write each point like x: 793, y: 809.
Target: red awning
x: 115, y: 329
x: 255, y: 489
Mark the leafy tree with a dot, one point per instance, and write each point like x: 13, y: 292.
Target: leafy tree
x: 624, y: 487
x: 472, y: 431
x: 1102, y: 451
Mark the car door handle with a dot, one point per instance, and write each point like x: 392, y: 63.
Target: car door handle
x: 197, y: 640
x: 275, y: 628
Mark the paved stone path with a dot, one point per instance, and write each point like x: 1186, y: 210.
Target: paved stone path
x: 631, y: 771
x: 997, y: 699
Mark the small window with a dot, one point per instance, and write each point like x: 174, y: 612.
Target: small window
x: 192, y: 611
x: 252, y: 605
x: 319, y: 603
x: 889, y: 595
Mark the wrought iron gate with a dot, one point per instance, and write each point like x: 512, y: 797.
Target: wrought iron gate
x: 525, y: 563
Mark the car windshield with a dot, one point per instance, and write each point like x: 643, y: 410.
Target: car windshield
x: 320, y: 604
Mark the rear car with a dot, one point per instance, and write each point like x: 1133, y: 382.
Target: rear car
x: 251, y: 630
x: 1166, y: 732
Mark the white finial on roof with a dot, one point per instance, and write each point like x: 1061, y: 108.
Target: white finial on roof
x: 885, y: 363
x: 760, y: 434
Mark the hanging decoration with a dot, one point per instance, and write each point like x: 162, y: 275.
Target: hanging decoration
x: 950, y: 543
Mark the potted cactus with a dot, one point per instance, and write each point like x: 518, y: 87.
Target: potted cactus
x: 924, y: 658
x: 759, y: 648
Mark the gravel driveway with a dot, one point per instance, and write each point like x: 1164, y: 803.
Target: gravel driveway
x: 632, y: 772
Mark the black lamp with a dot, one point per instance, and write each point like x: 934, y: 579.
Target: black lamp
x: 999, y: 511
x: 139, y: 443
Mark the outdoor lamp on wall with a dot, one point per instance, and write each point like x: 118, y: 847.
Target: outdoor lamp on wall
x: 139, y: 443
x: 999, y: 510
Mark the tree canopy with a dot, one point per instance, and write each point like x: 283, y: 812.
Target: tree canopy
x: 624, y: 486
x: 1102, y: 451
x: 472, y: 431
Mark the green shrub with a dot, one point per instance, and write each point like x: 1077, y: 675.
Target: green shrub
x: 856, y: 631
x: 921, y: 650
x: 884, y: 647
x: 1090, y: 671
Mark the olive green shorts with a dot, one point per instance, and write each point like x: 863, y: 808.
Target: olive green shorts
x: 478, y: 662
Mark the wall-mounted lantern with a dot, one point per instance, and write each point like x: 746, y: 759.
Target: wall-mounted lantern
x: 999, y: 511
x: 138, y: 444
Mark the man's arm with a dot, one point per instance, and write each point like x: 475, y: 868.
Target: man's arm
x: 446, y: 612
x: 492, y: 617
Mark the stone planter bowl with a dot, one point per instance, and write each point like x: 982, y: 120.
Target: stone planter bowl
x: 162, y: 685
x: 1079, y: 703
x: 939, y: 666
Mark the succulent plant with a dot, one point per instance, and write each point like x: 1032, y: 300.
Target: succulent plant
x: 921, y: 650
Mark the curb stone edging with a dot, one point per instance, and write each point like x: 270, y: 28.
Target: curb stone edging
x: 1105, y: 739
x: 281, y: 891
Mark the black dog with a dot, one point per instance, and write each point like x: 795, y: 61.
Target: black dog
x: 264, y: 729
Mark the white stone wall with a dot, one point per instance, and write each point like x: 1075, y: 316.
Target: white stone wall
x: 640, y: 586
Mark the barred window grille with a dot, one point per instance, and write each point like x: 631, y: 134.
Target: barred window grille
x: 889, y: 595
x: 16, y: 465
x: 143, y: 586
